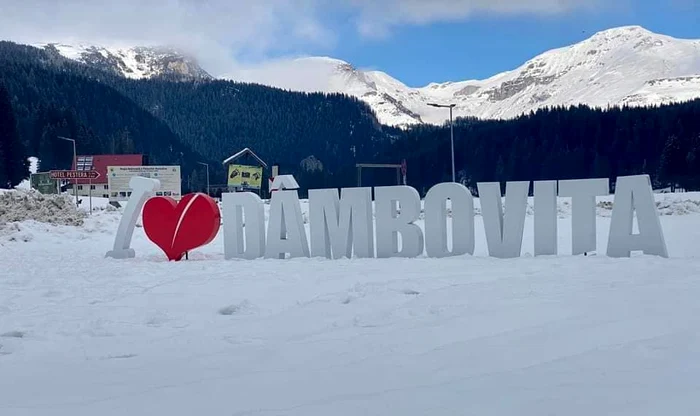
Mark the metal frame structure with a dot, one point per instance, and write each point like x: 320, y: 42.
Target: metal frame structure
x: 361, y: 166
x: 452, y: 135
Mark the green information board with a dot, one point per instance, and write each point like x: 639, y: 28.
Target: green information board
x: 43, y: 183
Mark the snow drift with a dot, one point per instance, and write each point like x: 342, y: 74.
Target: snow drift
x: 22, y: 205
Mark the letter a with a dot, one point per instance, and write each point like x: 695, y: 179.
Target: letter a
x: 633, y: 193
x: 285, y: 231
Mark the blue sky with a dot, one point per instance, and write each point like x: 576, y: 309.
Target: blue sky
x: 481, y: 46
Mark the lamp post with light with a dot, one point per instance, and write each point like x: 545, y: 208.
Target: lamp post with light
x: 75, y: 160
x: 207, y: 165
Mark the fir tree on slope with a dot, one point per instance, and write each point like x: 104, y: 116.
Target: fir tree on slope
x: 14, y: 166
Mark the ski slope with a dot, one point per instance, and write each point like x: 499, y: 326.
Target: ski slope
x: 564, y: 335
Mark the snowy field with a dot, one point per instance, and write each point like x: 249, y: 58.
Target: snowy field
x: 565, y: 335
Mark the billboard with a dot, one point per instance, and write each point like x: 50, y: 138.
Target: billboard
x: 43, y: 183
x: 243, y: 176
x: 118, y: 180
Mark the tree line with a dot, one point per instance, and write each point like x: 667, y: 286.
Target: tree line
x: 561, y: 143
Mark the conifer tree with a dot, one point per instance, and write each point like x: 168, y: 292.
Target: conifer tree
x: 14, y: 166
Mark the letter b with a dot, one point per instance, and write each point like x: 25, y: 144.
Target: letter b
x: 392, y: 221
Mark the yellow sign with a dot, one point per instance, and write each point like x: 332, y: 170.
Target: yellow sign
x: 245, y: 176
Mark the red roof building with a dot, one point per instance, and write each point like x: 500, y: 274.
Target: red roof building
x: 100, y: 163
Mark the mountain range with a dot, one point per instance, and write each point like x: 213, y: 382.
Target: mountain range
x: 162, y: 105
x: 621, y: 66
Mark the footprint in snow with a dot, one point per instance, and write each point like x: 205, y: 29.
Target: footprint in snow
x: 13, y: 334
x: 117, y: 357
x: 235, y: 309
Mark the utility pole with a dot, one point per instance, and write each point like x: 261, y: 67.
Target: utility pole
x: 452, y: 137
x: 75, y: 160
x: 207, y: 165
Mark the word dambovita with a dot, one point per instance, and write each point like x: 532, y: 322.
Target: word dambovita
x: 342, y: 223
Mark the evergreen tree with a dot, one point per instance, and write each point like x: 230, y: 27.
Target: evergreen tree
x: 673, y: 163
x: 14, y: 166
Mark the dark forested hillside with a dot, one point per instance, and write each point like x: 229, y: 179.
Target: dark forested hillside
x: 561, y: 143
x: 317, y: 137
x: 219, y: 118
x: 51, y: 101
x: 320, y: 137
x: 14, y: 166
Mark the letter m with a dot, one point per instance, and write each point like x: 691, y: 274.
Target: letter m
x: 338, y: 225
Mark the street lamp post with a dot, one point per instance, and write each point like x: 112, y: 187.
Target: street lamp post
x: 452, y: 137
x: 207, y: 165
x: 75, y: 160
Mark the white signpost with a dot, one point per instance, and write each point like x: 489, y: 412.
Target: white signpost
x: 119, y: 177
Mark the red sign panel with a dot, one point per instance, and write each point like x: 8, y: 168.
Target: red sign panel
x: 74, y: 174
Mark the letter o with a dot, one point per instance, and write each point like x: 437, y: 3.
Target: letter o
x: 435, y: 207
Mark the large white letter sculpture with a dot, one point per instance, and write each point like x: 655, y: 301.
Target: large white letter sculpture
x: 504, y: 236
x: 545, y: 196
x: 583, y: 193
x: 337, y: 225
x: 390, y: 222
x: 285, y: 231
x: 141, y: 189
x: 236, y: 205
x: 633, y: 193
x: 435, y: 207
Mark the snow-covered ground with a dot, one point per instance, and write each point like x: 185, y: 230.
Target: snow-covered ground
x: 564, y: 335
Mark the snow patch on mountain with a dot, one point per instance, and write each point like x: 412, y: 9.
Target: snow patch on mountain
x: 132, y: 62
x: 665, y: 91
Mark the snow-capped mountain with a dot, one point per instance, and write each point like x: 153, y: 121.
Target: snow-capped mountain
x: 627, y: 65
x: 132, y: 62
x: 383, y: 93
x: 622, y: 66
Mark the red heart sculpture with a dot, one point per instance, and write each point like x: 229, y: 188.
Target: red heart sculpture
x: 180, y: 227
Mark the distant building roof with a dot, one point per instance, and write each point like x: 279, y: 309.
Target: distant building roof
x: 100, y: 163
x: 242, y: 153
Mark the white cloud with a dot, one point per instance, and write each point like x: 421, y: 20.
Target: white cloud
x: 214, y: 31
x: 222, y: 32
x: 376, y: 18
x: 298, y: 73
